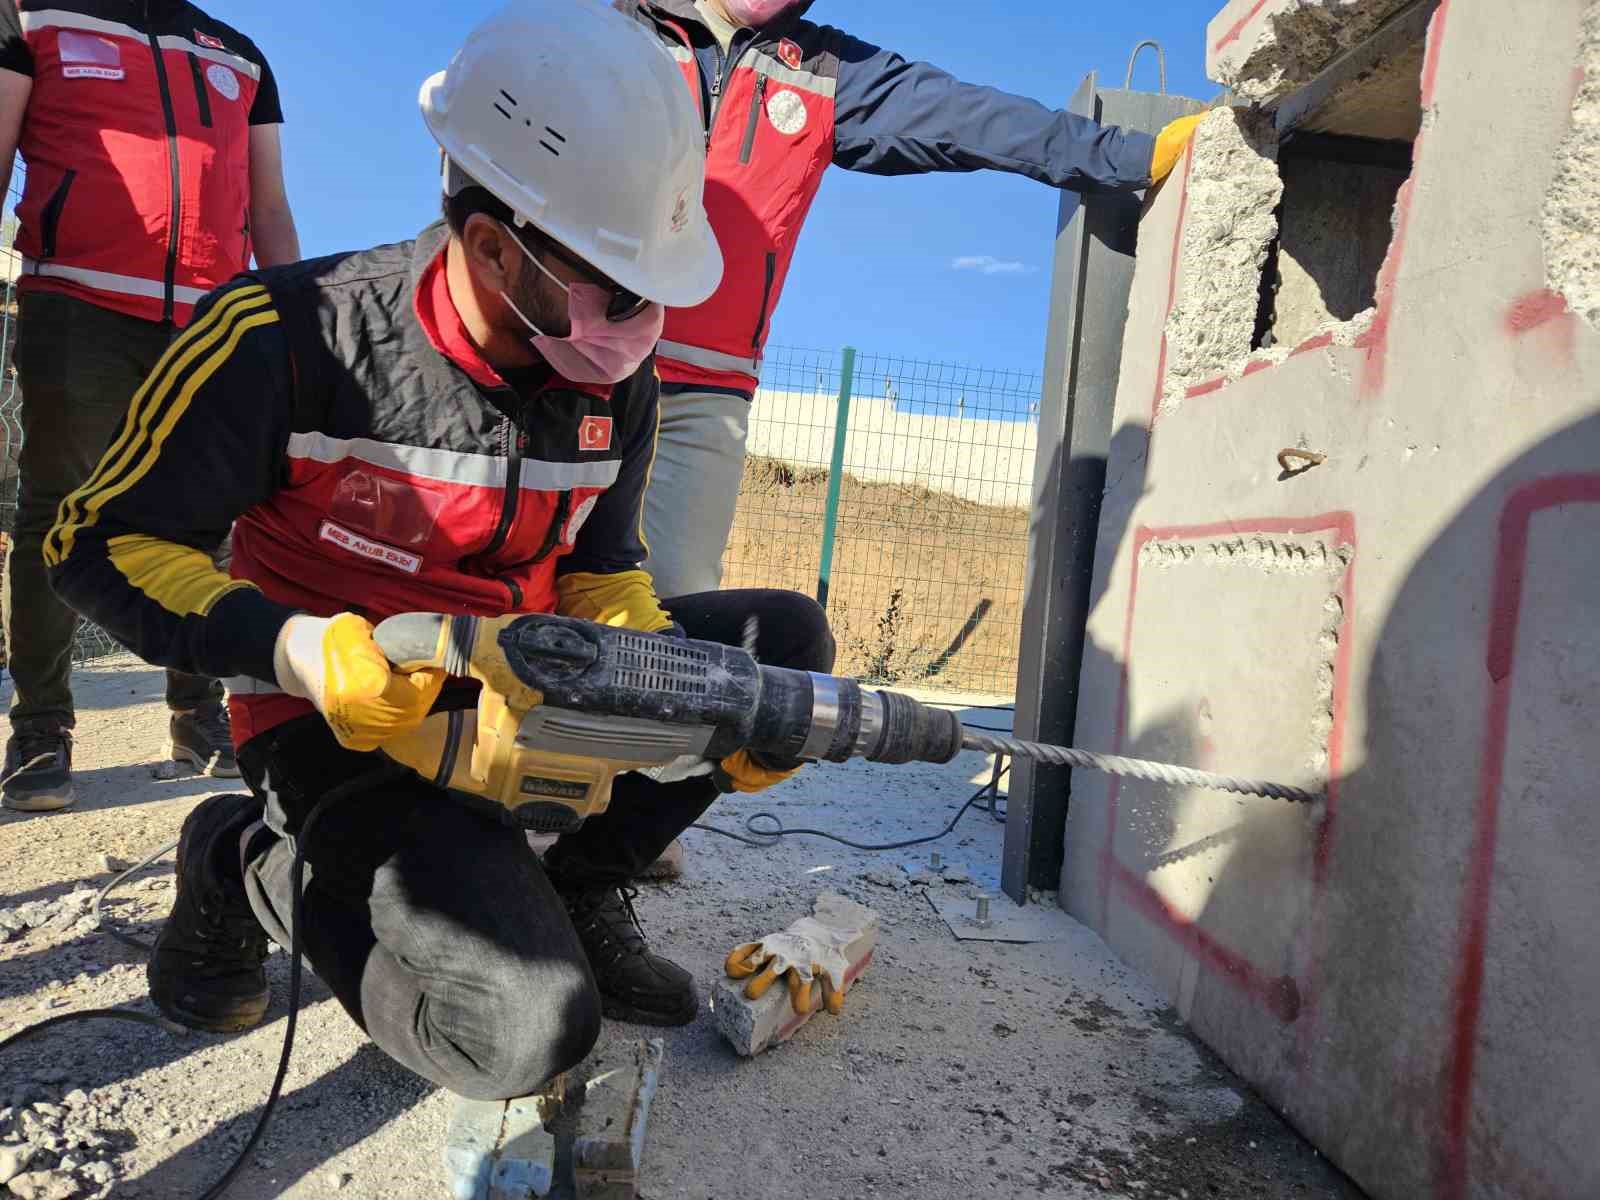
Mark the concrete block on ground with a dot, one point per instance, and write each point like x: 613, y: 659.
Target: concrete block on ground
x: 500, y: 1149
x: 608, y: 1148
x: 752, y: 1026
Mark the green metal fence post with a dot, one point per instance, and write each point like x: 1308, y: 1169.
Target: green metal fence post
x: 830, y: 519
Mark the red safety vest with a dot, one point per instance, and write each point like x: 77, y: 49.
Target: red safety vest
x: 137, y: 145
x: 769, y: 140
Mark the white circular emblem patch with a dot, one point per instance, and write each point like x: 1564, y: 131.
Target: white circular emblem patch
x: 579, y: 517
x: 787, y: 112
x: 224, y: 80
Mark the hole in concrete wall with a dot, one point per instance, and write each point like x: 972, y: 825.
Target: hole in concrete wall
x: 1335, y: 224
x: 1287, y: 231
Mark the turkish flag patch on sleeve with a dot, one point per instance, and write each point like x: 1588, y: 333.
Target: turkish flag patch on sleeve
x: 594, y: 434
x: 205, y: 39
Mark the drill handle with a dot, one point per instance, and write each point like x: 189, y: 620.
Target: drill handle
x: 413, y: 641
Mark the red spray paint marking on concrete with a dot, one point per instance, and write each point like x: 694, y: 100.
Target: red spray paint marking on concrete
x: 1545, y: 310
x: 1205, y: 389
x: 1257, y: 981
x: 1232, y: 36
x: 1172, y: 281
x: 1511, y: 566
x: 1376, y: 340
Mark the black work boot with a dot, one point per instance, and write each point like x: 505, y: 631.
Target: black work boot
x: 206, y: 970
x: 203, y: 738
x: 38, y: 770
x: 635, y: 985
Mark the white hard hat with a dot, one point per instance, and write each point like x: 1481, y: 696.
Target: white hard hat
x: 578, y: 119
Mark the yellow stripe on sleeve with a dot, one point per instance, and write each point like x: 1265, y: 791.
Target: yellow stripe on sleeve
x: 145, y: 407
x: 179, y: 578
x: 147, y: 443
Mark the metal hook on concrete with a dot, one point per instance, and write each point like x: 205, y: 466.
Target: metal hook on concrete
x: 1161, y: 58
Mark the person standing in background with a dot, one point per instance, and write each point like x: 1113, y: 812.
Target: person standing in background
x: 150, y: 133
x: 782, y: 99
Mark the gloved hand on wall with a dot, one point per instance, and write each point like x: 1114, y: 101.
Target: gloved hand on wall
x: 334, y: 663
x: 1170, y: 144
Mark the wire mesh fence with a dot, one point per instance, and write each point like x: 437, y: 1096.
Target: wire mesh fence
x: 912, y: 525
x: 91, y: 641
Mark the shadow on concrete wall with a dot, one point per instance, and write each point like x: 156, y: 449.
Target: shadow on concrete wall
x: 1485, y: 959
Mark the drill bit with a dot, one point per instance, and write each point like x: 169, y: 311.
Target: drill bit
x: 1137, y: 768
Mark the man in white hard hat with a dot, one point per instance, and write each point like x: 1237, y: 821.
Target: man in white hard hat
x: 460, y: 424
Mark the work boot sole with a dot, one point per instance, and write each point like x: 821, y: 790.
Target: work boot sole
x: 212, y: 766
x: 237, y: 1016
x: 620, y: 1010
x: 43, y: 800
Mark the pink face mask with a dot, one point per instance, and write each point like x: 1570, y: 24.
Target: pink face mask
x: 597, y: 350
x: 753, y: 14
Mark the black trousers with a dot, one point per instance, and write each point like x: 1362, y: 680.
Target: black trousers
x: 437, y: 928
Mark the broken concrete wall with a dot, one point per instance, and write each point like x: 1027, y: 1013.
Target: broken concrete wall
x: 1407, y: 970
x: 1264, y: 51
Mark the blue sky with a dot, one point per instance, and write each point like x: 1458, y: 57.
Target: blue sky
x: 874, y: 266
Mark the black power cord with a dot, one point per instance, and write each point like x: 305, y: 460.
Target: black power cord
x: 772, y: 833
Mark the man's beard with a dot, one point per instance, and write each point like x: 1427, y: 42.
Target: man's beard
x: 544, y: 304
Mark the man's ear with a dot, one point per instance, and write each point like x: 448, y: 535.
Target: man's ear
x: 489, y: 251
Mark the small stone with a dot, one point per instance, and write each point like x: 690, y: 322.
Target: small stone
x: 165, y: 770
x: 13, y: 1161
x: 112, y: 865
x: 76, y: 1098
x: 885, y: 879
x: 923, y: 879
x: 957, y: 875
x: 337, y: 1179
x: 43, y: 1185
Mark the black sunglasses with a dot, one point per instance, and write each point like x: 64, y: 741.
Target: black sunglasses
x: 623, y: 305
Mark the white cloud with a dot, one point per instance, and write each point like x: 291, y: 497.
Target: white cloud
x: 988, y: 264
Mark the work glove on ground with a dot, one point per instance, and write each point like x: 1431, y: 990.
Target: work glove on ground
x: 808, y: 955
x: 334, y: 663
x: 1170, y: 144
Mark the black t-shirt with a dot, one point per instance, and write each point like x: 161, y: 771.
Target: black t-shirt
x: 185, y: 20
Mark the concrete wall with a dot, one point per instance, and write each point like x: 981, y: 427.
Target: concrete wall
x: 986, y: 461
x: 1409, y: 970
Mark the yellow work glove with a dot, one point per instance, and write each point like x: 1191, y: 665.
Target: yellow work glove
x: 334, y: 663
x: 744, y: 772
x: 1170, y: 143
x: 808, y: 955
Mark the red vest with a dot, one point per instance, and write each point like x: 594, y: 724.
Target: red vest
x: 137, y: 145
x: 770, y: 140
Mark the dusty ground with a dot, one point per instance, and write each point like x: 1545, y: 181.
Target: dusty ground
x: 958, y: 1070
x: 926, y: 586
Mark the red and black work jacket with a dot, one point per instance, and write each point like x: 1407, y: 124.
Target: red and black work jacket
x: 789, y: 100
x: 137, y: 147
x: 335, y: 415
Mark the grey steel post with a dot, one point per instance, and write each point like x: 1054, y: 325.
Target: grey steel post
x: 1095, y: 242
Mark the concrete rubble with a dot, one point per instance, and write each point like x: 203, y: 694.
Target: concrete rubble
x: 1263, y: 56
x: 1233, y: 192
x: 1572, y: 210
x: 752, y: 1026
x: 58, y: 1151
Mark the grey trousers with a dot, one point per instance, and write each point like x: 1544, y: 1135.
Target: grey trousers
x: 79, y: 366
x: 694, y: 487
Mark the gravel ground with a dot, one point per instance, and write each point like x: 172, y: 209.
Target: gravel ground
x: 957, y: 1069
